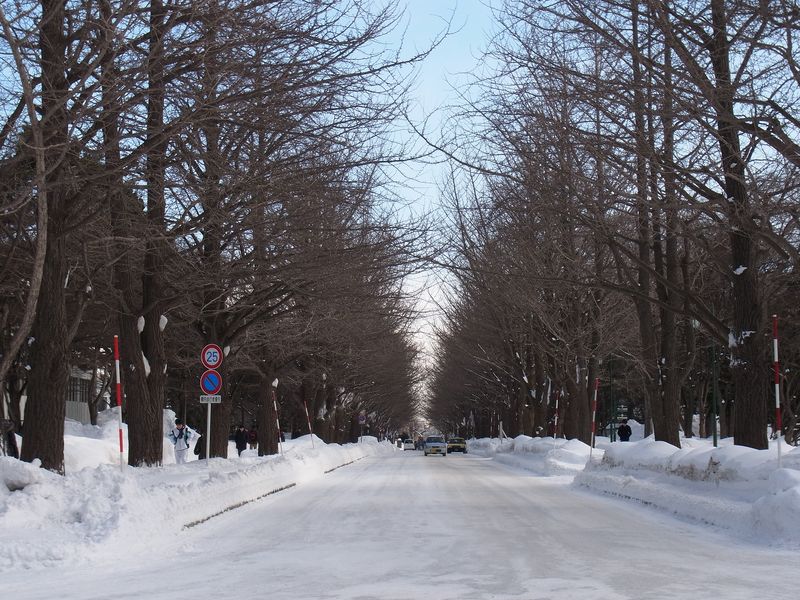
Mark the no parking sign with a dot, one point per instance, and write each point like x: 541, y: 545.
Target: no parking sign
x: 211, y: 382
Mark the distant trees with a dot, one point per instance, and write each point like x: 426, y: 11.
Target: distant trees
x: 647, y: 153
x: 185, y: 173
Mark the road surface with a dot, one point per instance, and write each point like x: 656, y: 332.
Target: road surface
x: 407, y: 527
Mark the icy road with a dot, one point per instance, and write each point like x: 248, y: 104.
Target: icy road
x: 407, y: 527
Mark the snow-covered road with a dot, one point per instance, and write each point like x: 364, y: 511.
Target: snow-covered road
x: 406, y: 527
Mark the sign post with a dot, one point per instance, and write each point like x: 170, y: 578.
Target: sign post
x: 210, y: 383
x: 119, y: 398
x: 362, y: 418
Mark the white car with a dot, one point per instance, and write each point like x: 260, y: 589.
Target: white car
x: 435, y: 444
x: 408, y: 444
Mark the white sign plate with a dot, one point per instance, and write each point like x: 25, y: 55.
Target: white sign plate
x: 213, y: 399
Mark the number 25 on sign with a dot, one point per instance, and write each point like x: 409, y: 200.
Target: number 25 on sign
x: 211, y: 356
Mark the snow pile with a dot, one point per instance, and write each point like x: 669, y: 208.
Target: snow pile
x: 544, y: 456
x: 732, y: 487
x: 98, y: 510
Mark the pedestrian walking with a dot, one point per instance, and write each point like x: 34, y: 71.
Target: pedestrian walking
x: 241, y: 437
x: 624, y: 431
x: 252, y: 438
x: 200, y: 448
x: 180, y: 437
x: 8, y: 442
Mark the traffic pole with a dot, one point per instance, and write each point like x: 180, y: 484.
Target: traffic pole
x: 548, y: 396
x: 119, y: 400
x: 277, y: 420
x: 308, y: 420
x: 776, y: 365
x: 594, y: 414
x: 208, y: 433
x: 555, y: 419
x: 714, y: 391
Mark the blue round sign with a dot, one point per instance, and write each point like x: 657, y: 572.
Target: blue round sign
x: 211, y: 382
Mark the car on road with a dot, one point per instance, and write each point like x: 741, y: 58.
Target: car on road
x: 408, y: 445
x: 434, y: 444
x: 457, y: 444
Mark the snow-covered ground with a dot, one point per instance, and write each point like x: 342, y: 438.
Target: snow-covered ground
x: 732, y: 488
x: 98, y: 507
x: 99, y: 510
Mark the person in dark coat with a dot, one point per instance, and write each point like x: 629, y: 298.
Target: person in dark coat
x: 9, y: 438
x: 240, y: 437
x: 624, y: 431
x: 200, y: 448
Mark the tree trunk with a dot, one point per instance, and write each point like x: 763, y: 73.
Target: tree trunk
x: 47, y: 387
x: 688, y: 411
x: 570, y: 402
x: 212, y: 203
x: 540, y: 402
x: 747, y: 351
x: 669, y: 420
x: 584, y: 393
x: 268, y: 434
x: 643, y: 311
x: 145, y: 410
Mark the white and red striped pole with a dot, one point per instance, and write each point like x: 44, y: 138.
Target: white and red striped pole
x: 594, y: 413
x: 555, y: 412
x: 119, y: 399
x: 555, y: 415
x: 308, y: 420
x: 776, y: 367
x: 277, y: 420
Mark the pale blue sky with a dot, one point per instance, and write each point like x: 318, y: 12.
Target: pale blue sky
x: 450, y: 65
x: 471, y: 23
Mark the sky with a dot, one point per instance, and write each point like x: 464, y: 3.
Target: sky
x: 524, y: 519
x: 444, y: 74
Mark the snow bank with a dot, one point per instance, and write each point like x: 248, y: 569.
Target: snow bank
x: 544, y: 456
x: 96, y: 509
x: 732, y: 487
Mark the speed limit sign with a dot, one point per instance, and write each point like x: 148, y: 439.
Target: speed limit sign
x: 211, y: 356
